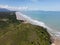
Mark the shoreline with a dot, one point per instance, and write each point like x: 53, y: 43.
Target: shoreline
x: 55, y: 41
x: 26, y: 19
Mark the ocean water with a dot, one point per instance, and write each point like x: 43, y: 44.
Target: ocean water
x: 50, y: 19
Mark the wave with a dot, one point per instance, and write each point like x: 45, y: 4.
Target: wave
x: 28, y: 19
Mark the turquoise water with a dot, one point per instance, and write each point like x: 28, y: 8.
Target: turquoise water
x: 50, y: 18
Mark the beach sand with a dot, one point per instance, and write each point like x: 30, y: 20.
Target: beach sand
x: 56, y: 41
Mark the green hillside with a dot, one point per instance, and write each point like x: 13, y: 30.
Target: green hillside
x: 18, y: 33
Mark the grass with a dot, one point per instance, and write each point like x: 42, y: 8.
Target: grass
x: 13, y: 32
x: 24, y: 34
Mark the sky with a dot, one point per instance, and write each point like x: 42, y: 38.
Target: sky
x: 46, y: 5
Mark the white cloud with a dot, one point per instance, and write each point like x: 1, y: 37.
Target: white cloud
x: 3, y: 6
x: 13, y: 7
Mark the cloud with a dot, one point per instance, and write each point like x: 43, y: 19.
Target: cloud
x: 13, y: 7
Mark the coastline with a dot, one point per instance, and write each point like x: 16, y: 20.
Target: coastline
x: 55, y: 41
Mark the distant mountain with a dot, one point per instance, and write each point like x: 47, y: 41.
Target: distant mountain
x: 4, y: 10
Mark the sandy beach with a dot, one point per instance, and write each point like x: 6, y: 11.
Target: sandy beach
x: 56, y: 41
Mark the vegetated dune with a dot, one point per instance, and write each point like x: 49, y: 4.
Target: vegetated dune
x: 18, y: 33
x: 24, y: 34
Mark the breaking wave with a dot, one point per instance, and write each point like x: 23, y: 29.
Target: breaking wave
x: 21, y: 16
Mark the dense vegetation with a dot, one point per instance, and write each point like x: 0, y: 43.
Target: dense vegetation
x: 14, y: 32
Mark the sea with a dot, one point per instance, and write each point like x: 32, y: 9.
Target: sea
x: 50, y: 18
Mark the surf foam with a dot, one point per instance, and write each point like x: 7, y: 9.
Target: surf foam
x: 21, y: 16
